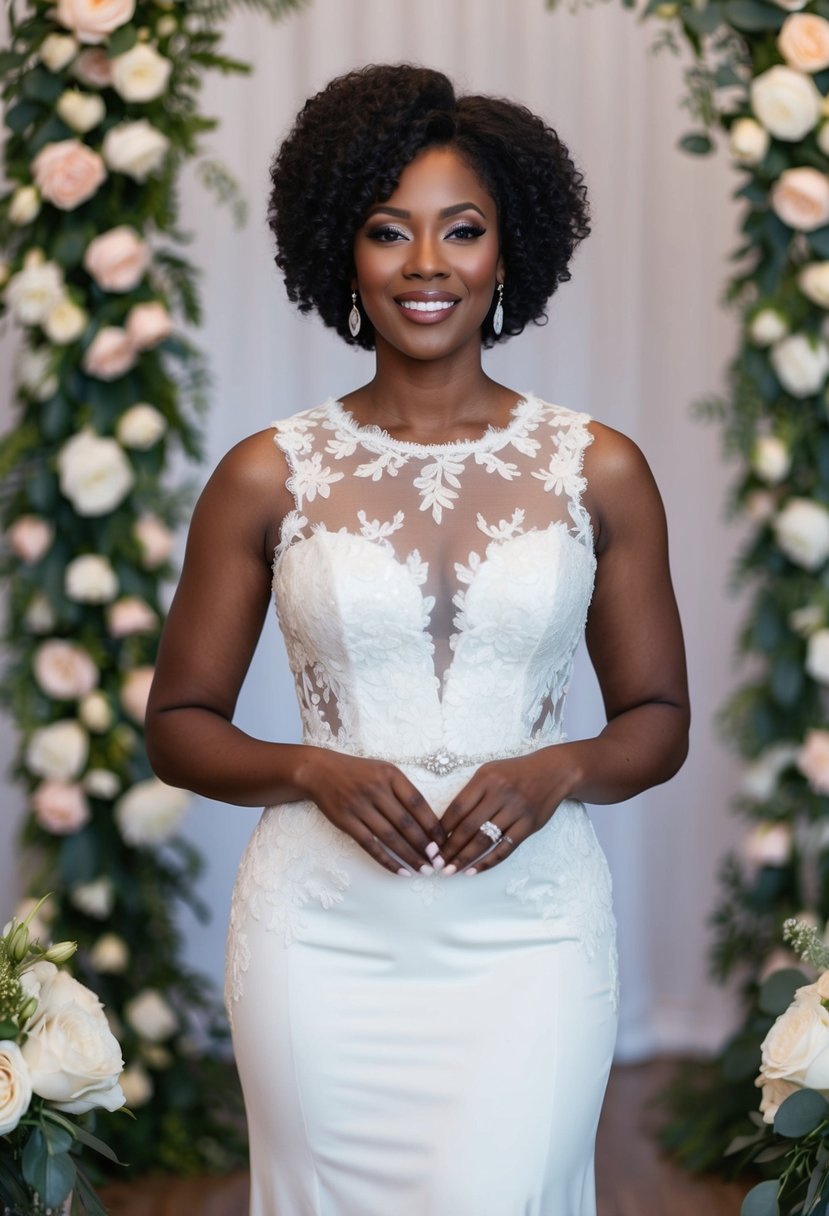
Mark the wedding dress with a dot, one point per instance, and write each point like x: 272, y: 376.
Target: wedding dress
x: 427, y: 1046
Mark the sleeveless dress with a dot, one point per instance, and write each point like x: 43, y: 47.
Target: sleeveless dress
x: 427, y: 1046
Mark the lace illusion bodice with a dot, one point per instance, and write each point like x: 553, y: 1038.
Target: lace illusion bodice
x: 432, y: 596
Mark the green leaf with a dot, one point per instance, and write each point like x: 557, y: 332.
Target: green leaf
x: 753, y: 16
x: 819, y: 241
x: 21, y: 116
x: 123, y: 39
x: 8, y: 1030
x: 761, y: 1200
x: 50, y: 1173
x: 10, y: 60
x: 778, y: 990
x: 95, y: 1144
x: 786, y: 680
x: 42, y: 85
x: 741, y: 1058
x: 800, y: 1114
x: 697, y: 143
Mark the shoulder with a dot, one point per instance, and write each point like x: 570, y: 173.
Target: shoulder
x: 247, y: 490
x: 620, y: 487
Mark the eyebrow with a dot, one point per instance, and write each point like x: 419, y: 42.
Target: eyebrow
x: 444, y: 214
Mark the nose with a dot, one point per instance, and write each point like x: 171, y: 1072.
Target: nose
x: 426, y: 259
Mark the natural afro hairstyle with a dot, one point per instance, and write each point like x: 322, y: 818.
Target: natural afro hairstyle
x: 348, y: 149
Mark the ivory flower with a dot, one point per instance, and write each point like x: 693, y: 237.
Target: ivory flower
x: 800, y: 198
x: 65, y: 322
x: 117, y: 259
x: 774, y: 1094
x: 30, y: 537
x: 80, y: 111
x: 95, y: 475
x: 137, y: 1086
x: 130, y: 615
x: 33, y: 292
x: 795, y: 1042
x: 57, y: 50
x: 67, y: 173
x: 813, y: 281
x: 64, y: 670
x: 767, y: 326
x: 817, y: 656
x: 141, y: 74
x: 748, y: 141
x: 148, y: 324
x: 135, y: 148
x: 24, y: 205
x: 34, y: 372
x: 95, y: 713
x: 768, y: 844
x: 39, y: 617
x: 791, y: 6
x: 141, y: 426
x: 102, y: 783
x: 802, y: 532
x: 58, y: 751
x: 770, y: 459
x: 90, y: 579
x: 804, y: 42
x: 15, y: 1086
x: 110, y: 354
x: 135, y: 691
x: 151, y: 1016
x: 806, y: 620
x: 760, y: 777
x: 110, y: 956
x: 156, y: 540
x: 93, y: 67
x: 813, y: 760
x: 95, y: 898
x: 801, y: 364
x: 91, y: 21
x: 60, y: 807
x: 787, y: 103
x: 823, y: 137
x: 150, y: 812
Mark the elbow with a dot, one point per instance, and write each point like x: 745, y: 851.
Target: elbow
x: 161, y: 751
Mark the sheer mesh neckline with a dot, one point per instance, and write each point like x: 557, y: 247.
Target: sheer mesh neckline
x: 374, y: 436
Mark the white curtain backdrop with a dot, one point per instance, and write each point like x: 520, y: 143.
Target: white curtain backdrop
x: 634, y: 339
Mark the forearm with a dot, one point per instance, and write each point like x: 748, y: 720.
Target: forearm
x: 637, y: 749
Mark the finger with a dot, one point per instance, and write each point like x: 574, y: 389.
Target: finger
x: 491, y: 805
x: 406, y: 824
x: 479, y: 846
x: 386, y: 832
x: 463, y: 803
x: 378, y: 851
x: 417, y: 812
x: 497, y: 853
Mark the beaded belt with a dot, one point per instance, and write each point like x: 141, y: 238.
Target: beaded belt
x: 440, y: 762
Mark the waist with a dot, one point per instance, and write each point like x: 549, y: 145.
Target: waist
x: 440, y: 762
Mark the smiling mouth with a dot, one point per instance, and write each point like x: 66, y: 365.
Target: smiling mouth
x: 427, y: 305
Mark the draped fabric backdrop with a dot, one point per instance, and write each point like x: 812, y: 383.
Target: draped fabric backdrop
x: 634, y: 338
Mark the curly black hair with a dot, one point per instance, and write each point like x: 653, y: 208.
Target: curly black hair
x: 348, y: 149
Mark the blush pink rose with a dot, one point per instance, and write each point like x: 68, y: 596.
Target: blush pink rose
x: 92, y: 20
x: 60, y: 807
x: 110, y: 353
x: 130, y: 615
x: 94, y: 67
x: 67, y: 173
x: 63, y: 670
x: 117, y: 259
x: 156, y: 540
x: 29, y: 537
x: 148, y: 324
x: 804, y: 42
x: 135, y: 692
x: 813, y: 760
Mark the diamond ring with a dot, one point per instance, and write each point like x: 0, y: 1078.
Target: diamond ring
x: 491, y: 830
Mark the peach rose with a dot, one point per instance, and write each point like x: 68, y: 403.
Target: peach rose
x: 117, y: 259
x: 67, y: 173
x: 94, y: 67
x: 156, y: 540
x: 135, y: 692
x: 148, y: 324
x: 800, y: 197
x: 63, y: 670
x: 92, y: 20
x: 804, y: 42
x: 110, y: 354
x: 813, y: 760
x: 60, y: 807
x: 130, y: 615
x: 30, y: 537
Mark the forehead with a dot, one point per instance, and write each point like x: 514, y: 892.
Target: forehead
x: 440, y: 177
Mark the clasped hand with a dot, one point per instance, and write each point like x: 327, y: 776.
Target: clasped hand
x: 385, y: 813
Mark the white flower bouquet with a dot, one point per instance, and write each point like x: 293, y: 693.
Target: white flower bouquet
x: 58, y: 1058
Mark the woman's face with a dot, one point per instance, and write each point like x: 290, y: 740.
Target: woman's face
x: 427, y: 259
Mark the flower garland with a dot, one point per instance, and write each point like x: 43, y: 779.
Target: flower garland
x: 101, y: 114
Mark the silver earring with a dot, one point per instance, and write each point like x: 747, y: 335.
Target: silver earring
x: 498, y: 315
x: 354, y: 318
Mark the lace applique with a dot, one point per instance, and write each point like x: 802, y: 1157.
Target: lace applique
x: 504, y: 529
x: 309, y: 479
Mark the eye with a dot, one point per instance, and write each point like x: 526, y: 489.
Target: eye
x: 386, y: 233
x: 466, y: 231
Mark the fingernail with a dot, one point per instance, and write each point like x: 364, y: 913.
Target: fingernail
x: 451, y: 869
x: 424, y: 869
x: 432, y: 850
x: 404, y: 872
x: 438, y: 862
x: 471, y: 871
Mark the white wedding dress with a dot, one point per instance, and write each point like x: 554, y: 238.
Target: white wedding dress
x: 427, y: 1046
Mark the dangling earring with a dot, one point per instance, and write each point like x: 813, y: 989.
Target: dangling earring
x: 498, y: 315
x: 354, y: 318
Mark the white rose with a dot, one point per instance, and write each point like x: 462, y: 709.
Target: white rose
x: 110, y: 956
x: 767, y: 326
x: 155, y: 539
x: 823, y: 137
x: 760, y: 777
x: 774, y: 1095
x: 770, y: 459
x: 151, y: 1016
x: 39, y: 616
x: 24, y: 205
x: 804, y: 42
x: 786, y: 102
x: 150, y: 812
x: 141, y: 426
x: 102, y: 783
x: 135, y: 148
x: 73, y: 1058
x: 95, y: 898
x: 30, y: 537
x: 57, y: 50
x: 137, y: 1086
x: 748, y: 141
x: 795, y: 1041
x: 31, y: 294
x: 65, y: 322
x: 58, y: 751
x: 141, y: 74
x: 95, y: 713
x: 63, y: 670
x: 135, y: 691
x: 813, y: 281
x: 90, y: 579
x: 806, y: 620
x: 822, y: 983
x: 34, y: 372
x: 80, y: 111
x: 817, y: 656
x: 802, y: 532
x: 15, y: 1086
x: 91, y: 21
x: 94, y: 473
x: 768, y: 844
x: 117, y: 259
x: 801, y: 364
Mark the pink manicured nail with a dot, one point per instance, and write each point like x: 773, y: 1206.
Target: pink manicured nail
x: 424, y: 869
x: 472, y: 871
x: 438, y: 862
x: 452, y: 869
x: 432, y: 850
x: 404, y: 873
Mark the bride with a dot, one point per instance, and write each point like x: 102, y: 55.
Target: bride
x: 421, y: 967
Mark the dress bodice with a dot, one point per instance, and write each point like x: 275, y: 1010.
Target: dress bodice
x: 433, y: 596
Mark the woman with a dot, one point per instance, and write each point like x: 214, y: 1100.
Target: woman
x: 421, y: 958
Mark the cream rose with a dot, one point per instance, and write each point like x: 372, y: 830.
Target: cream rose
x: 91, y: 21
x: 155, y: 539
x: 90, y: 579
x: 817, y: 656
x: 800, y: 198
x: 151, y: 1016
x: 15, y: 1086
x: 813, y: 760
x: 60, y: 807
x: 117, y: 259
x: 110, y: 354
x: 767, y: 326
x: 32, y: 293
x: 94, y: 473
x: 95, y: 898
x: 802, y: 532
x: 57, y: 50
x: 804, y: 42
x: 787, y: 103
x: 102, y: 783
x: 95, y: 713
x: 73, y: 1058
x: 30, y: 537
x: 80, y: 111
x: 748, y: 141
x: 795, y: 1041
x: 65, y: 322
x: 67, y: 173
x: 135, y: 148
x: 64, y: 670
x: 807, y: 619
x: 165, y: 26
x: 24, y: 205
x: 801, y: 364
x: 150, y: 812
x: 141, y: 426
x: 768, y: 844
x: 141, y: 74
x: 34, y: 372
x: 813, y: 281
x: 770, y: 459
x: 110, y: 955
x: 137, y: 1086
x: 93, y: 67
x: 148, y: 324
x: 39, y: 616
x: 58, y: 750
x: 135, y: 691
x: 774, y: 1095
x: 130, y: 615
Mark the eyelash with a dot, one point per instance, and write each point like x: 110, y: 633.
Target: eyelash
x: 465, y: 231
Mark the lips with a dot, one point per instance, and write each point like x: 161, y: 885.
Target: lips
x: 426, y: 305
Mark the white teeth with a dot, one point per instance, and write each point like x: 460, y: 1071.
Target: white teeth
x: 427, y: 305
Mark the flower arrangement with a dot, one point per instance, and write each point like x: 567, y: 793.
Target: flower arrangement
x: 58, y: 1058
x: 101, y: 113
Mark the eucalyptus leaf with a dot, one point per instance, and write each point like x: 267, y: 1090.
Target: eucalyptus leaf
x: 697, y: 143
x: 121, y: 40
x: 22, y: 115
x: 800, y: 1113
x: 39, y: 84
x: 761, y: 1200
x: 51, y: 1174
x: 786, y: 680
x: 8, y: 1030
x: 753, y: 16
x: 778, y: 991
x: 819, y: 241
